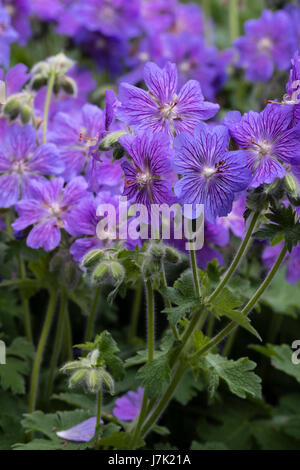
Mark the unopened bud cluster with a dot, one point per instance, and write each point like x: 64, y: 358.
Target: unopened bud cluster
x: 104, y: 266
x: 156, y: 254
x: 58, y: 66
x: 90, y: 371
x: 19, y: 105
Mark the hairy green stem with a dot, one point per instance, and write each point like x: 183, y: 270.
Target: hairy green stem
x: 194, y: 266
x: 166, y: 300
x: 58, y: 341
x: 91, y: 319
x: 135, y: 311
x: 234, y: 19
x: 47, y: 104
x: 40, y: 351
x: 150, y: 320
x: 25, y: 302
x: 68, y: 333
x: 99, y: 405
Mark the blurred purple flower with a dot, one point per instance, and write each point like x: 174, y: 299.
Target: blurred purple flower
x: 128, y: 406
x: 235, y: 220
x: 7, y: 36
x: 113, y: 18
x: 23, y: 163
x: 15, y: 78
x: 270, y: 255
x: 20, y: 11
x: 270, y: 41
x: 211, y: 174
x: 161, y: 109
x: 49, y: 210
x: 268, y: 141
x: 82, y: 432
x: 197, y: 61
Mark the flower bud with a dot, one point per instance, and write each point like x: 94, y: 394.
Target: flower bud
x: 100, y: 272
x: 118, y: 152
x: 93, y: 357
x: 38, y: 81
x: 117, y: 271
x: 69, y: 85
x: 157, y: 251
x: 107, y: 380
x: 26, y: 113
x: 93, y: 380
x: 291, y: 184
x: 172, y: 255
x: 110, y: 139
x: 12, y: 107
x: 77, y: 377
x: 92, y: 258
x: 56, y: 86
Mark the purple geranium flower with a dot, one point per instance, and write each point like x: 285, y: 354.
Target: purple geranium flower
x: 75, y: 135
x: 211, y: 174
x: 7, y: 36
x: 268, y: 141
x: 269, y: 41
x: 161, y: 109
x: 22, y: 163
x: 145, y: 178
x: 128, y: 406
x: 49, y: 210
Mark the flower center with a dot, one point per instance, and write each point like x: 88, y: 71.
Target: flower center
x: 168, y: 111
x: 265, y: 44
x: 19, y: 166
x: 144, y: 56
x: 185, y: 66
x: 264, y: 148
x: 144, y: 178
x: 55, y: 209
x: 208, y: 171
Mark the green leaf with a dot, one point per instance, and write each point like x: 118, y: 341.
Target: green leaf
x: 188, y: 388
x: 182, y: 295
x: 119, y: 441
x: 12, y: 373
x: 282, y: 300
x: 284, y: 222
x: 108, y: 349
x: 225, y: 304
x: 154, y: 375
x: 141, y: 357
x: 237, y: 374
x: 281, y: 359
x: 78, y: 400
